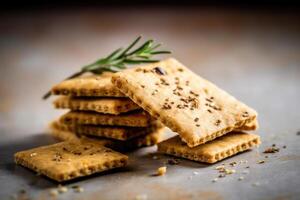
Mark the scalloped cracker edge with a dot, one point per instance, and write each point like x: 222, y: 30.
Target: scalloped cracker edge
x: 90, y: 85
x: 213, y: 151
x: 113, y: 132
x: 150, y: 139
x: 107, y: 105
x: 132, y: 119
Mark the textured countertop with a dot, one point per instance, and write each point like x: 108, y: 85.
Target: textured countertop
x: 255, y: 56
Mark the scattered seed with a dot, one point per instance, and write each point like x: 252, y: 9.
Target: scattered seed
x: 272, y: 149
x: 160, y: 71
x: 215, y: 180
x: 260, y: 162
x: 298, y: 132
x: 241, y: 178
x: 284, y: 146
x: 173, y: 161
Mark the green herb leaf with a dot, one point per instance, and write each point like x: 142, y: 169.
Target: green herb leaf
x: 119, y: 59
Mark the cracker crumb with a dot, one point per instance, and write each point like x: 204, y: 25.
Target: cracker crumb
x: 161, y: 171
x: 272, y: 149
x: 229, y: 171
x: 195, y: 173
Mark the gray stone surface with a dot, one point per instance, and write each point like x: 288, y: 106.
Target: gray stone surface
x: 253, y: 55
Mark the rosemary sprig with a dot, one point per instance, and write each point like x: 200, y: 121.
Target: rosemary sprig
x: 120, y: 58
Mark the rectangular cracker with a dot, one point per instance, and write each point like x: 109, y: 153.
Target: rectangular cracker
x: 113, y: 132
x: 135, y: 119
x: 150, y: 139
x: 193, y: 107
x: 71, y: 159
x: 107, y: 105
x: 89, y: 85
x: 213, y: 151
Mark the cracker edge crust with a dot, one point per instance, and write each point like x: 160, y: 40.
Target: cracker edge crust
x: 215, y: 158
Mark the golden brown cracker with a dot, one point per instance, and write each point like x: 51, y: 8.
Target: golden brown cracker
x: 183, y: 101
x: 70, y: 159
x: 133, y: 119
x: 113, y: 132
x: 150, y: 139
x: 106, y: 105
x: 89, y: 85
x: 212, y: 151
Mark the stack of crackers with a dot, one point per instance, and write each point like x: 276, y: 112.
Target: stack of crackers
x: 128, y: 109
x: 100, y: 117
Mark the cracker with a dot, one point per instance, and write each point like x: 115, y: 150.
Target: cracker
x: 113, y: 132
x: 135, y: 119
x: 212, y: 151
x: 108, y: 105
x: 70, y: 159
x: 90, y: 85
x: 186, y: 103
x: 150, y: 139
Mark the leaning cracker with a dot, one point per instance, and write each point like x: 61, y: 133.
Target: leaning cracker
x: 71, y: 159
x: 150, y: 139
x: 107, y: 105
x: 91, y: 85
x: 186, y: 103
x: 113, y: 132
x: 135, y: 119
x: 212, y: 151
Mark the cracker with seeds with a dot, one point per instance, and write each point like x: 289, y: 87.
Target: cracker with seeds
x: 183, y: 101
x: 106, y: 105
x: 135, y: 119
x: 113, y: 132
x: 88, y: 85
x: 71, y: 159
x: 213, y: 151
x: 149, y: 139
